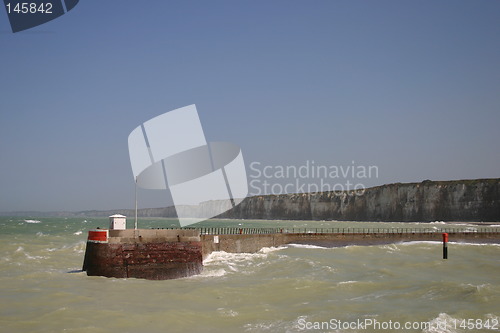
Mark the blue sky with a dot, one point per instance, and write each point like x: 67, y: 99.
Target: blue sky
x: 412, y: 87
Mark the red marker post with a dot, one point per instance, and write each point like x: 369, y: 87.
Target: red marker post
x: 445, y: 245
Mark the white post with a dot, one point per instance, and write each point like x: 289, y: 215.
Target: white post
x: 135, y: 223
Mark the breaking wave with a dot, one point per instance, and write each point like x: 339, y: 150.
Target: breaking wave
x: 305, y: 246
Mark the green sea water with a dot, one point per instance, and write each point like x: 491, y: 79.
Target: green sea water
x: 296, y: 288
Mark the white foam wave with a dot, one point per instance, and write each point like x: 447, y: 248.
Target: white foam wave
x: 227, y: 257
x: 266, y: 250
x: 212, y: 273
x: 474, y: 244
x: 305, y: 246
x: 268, y: 326
x: 79, y: 232
x: 79, y: 247
x: 40, y: 234
x: 443, y: 323
x: 231, y: 258
x: 440, y: 242
x: 220, y: 263
x: 478, y: 287
x: 20, y: 249
x: 227, y: 312
x: 419, y: 242
x: 32, y: 221
x: 347, y: 282
x: 28, y: 256
x: 390, y: 247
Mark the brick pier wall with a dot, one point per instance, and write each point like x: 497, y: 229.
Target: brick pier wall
x: 146, y: 254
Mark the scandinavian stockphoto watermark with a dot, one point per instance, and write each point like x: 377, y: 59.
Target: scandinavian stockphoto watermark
x: 170, y: 152
x: 310, y: 177
x: 372, y: 324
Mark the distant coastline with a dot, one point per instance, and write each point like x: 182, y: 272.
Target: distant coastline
x: 476, y: 200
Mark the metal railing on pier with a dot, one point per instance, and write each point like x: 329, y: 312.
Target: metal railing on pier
x: 259, y: 231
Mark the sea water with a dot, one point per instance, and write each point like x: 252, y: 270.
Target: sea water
x: 294, y: 288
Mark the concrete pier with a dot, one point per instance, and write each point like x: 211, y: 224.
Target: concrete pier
x: 160, y: 254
